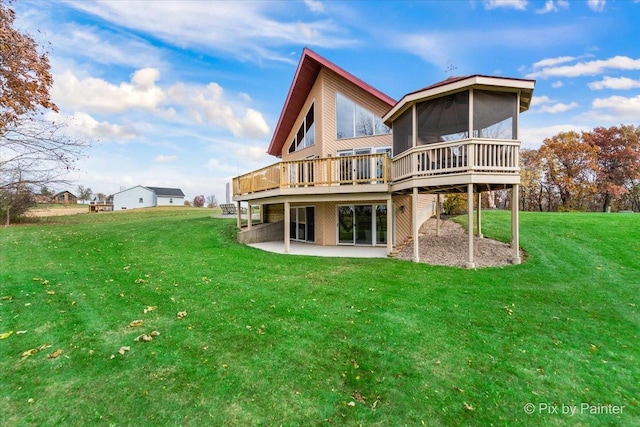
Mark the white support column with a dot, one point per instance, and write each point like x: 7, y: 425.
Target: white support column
x: 249, y: 217
x: 390, y: 230
x: 515, y: 226
x: 438, y: 209
x: 415, y: 225
x: 470, y: 263
x: 479, y: 215
x: 239, y: 215
x: 287, y: 226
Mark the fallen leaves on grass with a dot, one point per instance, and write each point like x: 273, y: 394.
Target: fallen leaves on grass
x: 136, y: 323
x: 150, y: 309
x: 140, y: 281
x: 182, y: 314
x: 33, y: 351
x: 468, y: 407
x: 51, y: 292
x: 55, y: 354
x: 124, y: 349
x: 357, y: 396
x: 7, y: 298
x: 146, y: 337
x: 20, y: 332
x: 6, y: 335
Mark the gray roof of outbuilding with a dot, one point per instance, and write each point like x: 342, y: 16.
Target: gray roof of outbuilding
x: 160, y: 191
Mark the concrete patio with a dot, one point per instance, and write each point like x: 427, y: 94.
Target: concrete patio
x: 300, y: 248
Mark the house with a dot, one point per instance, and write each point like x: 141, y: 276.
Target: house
x: 146, y: 197
x: 359, y: 168
x: 65, y: 197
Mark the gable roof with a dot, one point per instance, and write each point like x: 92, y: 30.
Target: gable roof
x: 172, y: 192
x: 306, y: 74
x: 65, y: 191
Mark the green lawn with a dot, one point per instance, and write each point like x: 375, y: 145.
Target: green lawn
x: 282, y: 340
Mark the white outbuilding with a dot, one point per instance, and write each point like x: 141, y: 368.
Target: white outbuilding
x: 146, y: 197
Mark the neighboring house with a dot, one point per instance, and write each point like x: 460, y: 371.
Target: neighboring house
x: 146, y: 197
x: 346, y: 179
x: 66, y: 198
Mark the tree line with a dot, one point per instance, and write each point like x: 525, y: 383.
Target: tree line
x: 598, y: 170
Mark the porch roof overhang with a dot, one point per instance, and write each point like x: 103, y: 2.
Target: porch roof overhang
x: 306, y: 74
x: 456, y: 84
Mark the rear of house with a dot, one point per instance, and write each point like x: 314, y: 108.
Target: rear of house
x: 345, y: 179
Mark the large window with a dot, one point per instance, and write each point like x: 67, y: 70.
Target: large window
x: 494, y: 114
x: 305, y: 137
x: 353, y: 120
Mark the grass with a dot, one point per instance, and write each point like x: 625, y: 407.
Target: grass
x: 283, y: 340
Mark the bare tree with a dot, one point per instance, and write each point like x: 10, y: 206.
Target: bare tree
x: 212, y: 202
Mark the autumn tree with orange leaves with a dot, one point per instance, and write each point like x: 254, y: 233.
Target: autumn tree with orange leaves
x: 618, y: 161
x: 25, y: 78
x: 35, y: 152
x: 571, y: 167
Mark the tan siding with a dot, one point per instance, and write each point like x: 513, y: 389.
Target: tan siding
x: 402, y: 219
x: 274, y: 213
x: 332, y: 84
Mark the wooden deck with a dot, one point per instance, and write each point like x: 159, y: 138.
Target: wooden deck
x: 441, y: 165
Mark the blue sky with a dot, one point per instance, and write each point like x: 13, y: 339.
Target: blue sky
x: 187, y: 93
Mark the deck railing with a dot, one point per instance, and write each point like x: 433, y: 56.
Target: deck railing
x: 467, y: 156
x: 329, y: 171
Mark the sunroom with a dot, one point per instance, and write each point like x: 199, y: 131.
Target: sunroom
x: 460, y: 136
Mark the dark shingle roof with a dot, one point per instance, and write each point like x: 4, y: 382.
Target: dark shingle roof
x: 160, y: 191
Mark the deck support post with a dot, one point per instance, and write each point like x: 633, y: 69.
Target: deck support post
x: 470, y: 263
x: 389, y: 226
x: 239, y: 216
x: 287, y: 226
x: 479, y: 215
x: 249, y: 217
x: 415, y: 225
x: 515, y: 226
x: 438, y: 209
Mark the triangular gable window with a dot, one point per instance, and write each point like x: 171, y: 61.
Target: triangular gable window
x: 353, y: 120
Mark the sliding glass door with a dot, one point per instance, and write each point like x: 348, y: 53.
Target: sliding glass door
x: 303, y: 223
x: 362, y: 224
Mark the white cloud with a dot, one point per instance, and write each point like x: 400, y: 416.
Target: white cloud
x: 97, y: 95
x: 550, y: 62
x: 539, y: 100
x: 210, y: 105
x: 620, y: 107
x: 557, y: 84
x: 245, y: 30
x: 514, y: 4
x: 533, y: 137
x: 84, y: 125
x: 253, y: 153
x: 314, y: 5
x: 597, y: 5
x: 161, y: 158
x: 558, y: 107
x: 204, y: 104
x: 587, y: 68
x: 618, y: 83
x: 551, y: 6
x: 548, y: 105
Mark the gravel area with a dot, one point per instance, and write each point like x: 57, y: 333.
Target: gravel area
x: 452, y: 245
